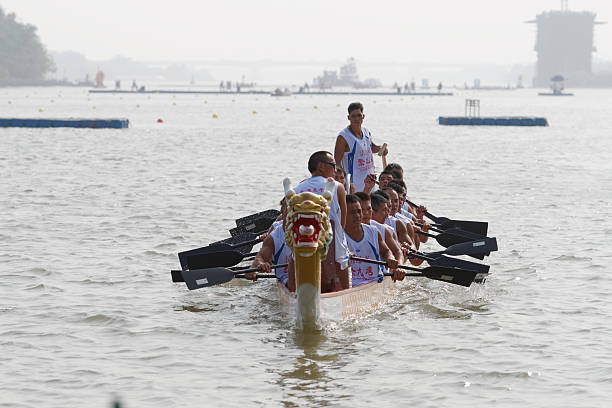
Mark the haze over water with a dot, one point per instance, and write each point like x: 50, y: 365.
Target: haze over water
x: 91, y: 222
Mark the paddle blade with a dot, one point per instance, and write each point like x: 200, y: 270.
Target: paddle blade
x: 214, y: 259
x: 480, y: 247
x: 447, y: 239
x: 455, y: 276
x: 476, y: 227
x: 177, y: 276
x: 259, y: 225
x: 450, y: 262
x: 263, y: 214
x: 203, y: 278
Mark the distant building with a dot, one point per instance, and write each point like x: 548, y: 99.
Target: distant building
x: 348, y: 77
x: 564, y: 46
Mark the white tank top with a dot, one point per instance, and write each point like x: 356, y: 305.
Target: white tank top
x: 381, y: 228
x: 317, y: 185
x: 282, y: 253
x: 391, y: 221
x: 363, y: 272
x: 358, y: 161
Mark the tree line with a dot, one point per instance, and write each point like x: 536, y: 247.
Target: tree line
x: 23, y: 58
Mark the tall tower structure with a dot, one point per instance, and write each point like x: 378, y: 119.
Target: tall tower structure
x: 564, y: 45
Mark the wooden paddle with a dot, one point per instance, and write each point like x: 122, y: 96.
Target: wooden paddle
x: 258, y: 225
x: 186, y: 258
x: 477, y: 227
x: 177, y: 274
x: 455, y: 276
x: 203, y: 278
x: 262, y: 214
x: 435, y: 259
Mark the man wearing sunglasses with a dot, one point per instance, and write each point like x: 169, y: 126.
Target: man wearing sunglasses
x: 335, y: 268
x: 354, y: 148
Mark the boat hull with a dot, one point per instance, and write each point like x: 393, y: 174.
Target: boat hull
x: 350, y: 303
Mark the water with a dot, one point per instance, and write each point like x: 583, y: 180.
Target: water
x: 91, y: 222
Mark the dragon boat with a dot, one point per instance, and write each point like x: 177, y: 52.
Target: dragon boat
x: 308, y: 233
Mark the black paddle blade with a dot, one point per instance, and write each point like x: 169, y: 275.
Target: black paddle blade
x: 214, y: 259
x: 455, y: 276
x: 242, y: 243
x: 177, y: 276
x: 203, y: 278
x: 259, y: 225
x: 480, y: 247
x: 476, y: 227
x: 450, y: 262
x: 263, y: 214
x: 447, y: 239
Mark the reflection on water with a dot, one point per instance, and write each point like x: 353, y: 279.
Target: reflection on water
x: 313, y: 375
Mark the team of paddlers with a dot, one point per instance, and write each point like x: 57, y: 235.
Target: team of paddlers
x: 370, y: 215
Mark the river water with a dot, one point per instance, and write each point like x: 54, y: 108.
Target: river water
x: 91, y: 222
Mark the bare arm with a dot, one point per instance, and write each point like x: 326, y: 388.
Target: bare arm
x: 393, y: 245
x: 263, y: 258
x: 342, y: 202
x: 339, y: 149
x: 402, y: 234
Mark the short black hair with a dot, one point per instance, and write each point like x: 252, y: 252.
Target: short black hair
x: 362, y: 196
x: 393, y: 166
x: 385, y: 172
x: 377, y: 200
x: 383, y: 194
x: 354, y: 106
x: 350, y: 198
x: 397, y: 174
x: 395, y: 186
x: 400, y: 182
x: 315, y: 159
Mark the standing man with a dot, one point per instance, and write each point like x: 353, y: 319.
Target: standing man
x: 354, y: 148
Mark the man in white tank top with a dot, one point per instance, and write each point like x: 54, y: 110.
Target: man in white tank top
x: 335, y: 268
x: 366, y: 242
x: 274, y: 251
x: 385, y: 231
x: 354, y: 148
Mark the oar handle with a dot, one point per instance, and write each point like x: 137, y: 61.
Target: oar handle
x: 374, y: 261
x: 258, y: 269
x: 427, y: 213
x: 432, y: 227
x: 246, y: 243
x: 426, y: 233
x: 259, y: 276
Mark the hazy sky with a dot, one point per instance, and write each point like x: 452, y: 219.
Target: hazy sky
x: 432, y: 31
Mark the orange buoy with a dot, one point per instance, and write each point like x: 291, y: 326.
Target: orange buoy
x: 160, y: 120
x: 215, y: 116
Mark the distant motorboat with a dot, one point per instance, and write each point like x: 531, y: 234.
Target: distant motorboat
x: 279, y: 92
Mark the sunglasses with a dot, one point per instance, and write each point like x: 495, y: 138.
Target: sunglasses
x: 331, y: 164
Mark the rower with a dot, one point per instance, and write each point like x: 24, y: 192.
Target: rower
x: 408, y: 218
x: 384, y: 230
x: 354, y: 148
x: 274, y: 251
x: 393, y: 218
x: 366, y: 242
x: 384, y: 178
x: 335, y: 267
x: 398, y: 226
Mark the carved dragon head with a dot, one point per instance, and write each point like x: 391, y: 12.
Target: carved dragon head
x: 307, y: 226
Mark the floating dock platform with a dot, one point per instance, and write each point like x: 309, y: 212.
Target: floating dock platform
x: 555, y: 94
x: 357, y: 93
x: 492, y: 121
x: 72, y: 123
